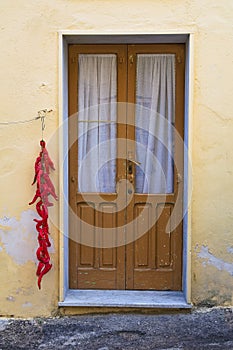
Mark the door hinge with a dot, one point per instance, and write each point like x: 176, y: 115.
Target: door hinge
x: 73, y: 59
x: 179, y: 178
x: 179, y: 59
x: 131, y: 59
x: 72, y: 179
x: 121, y: 59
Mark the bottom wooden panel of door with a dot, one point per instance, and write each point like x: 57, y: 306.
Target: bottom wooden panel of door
x: 151, y: 261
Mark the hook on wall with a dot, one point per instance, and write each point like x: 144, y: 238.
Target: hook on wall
x: 42, y: 113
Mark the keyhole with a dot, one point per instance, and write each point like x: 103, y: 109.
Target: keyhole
x: 130, y: 169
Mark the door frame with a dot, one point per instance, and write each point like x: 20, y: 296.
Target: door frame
x: 75, y: 37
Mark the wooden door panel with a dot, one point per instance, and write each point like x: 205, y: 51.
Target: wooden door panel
x: 146, y: 280
x: 144, y: 247
x: 164, y: 239
x: 156, y: 264
x: 98, y: 266
x: 87, y: 279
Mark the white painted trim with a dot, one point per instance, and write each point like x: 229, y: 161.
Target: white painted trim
x: 61, y: 142
x: 63, y: 170
x: 63, y: 146
x: 108, y: 32
x: 188, y: 165
x: 125, y: 38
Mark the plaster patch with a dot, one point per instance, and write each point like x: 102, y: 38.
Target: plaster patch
x: 19, y: 237
x: 230, y: 250
x: 27, y: 304
x: 214, y: 261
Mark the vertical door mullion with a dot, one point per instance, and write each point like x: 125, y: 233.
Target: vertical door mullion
x: 121, y: 155
x: 131, y: 154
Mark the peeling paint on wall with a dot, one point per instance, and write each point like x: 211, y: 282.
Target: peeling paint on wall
x: 19, y: 237
x: 210, y: 259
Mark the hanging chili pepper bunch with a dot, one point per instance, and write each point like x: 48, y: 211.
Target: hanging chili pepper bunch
x: 44, y: 189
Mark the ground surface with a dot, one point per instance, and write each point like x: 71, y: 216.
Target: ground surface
x: 200, y: 329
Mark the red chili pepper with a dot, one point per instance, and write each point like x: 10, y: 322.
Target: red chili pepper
x: 45, y: 188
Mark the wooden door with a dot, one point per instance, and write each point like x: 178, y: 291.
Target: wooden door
x: 154, y: 260
x: 96, y: 263
x: 119, y: 240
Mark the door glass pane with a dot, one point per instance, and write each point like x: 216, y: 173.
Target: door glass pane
x: 155, y: 114
x: 97, y: 130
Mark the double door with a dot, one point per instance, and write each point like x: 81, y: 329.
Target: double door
x: 126, y: 116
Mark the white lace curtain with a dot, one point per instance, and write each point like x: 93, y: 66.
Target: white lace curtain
x: 97, y: 131
x: 97, y: 92
x: 155, y: 112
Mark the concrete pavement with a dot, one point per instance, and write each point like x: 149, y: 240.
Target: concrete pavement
x: 199, y: 329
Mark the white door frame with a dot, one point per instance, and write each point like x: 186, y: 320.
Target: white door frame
x: 82, y: 37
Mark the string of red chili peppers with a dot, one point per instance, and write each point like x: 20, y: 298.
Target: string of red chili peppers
x: 45, y: 188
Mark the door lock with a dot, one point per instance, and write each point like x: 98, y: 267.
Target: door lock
x: 130, y: 168
x: 131, y: 177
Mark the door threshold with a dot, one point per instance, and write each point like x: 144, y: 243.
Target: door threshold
x: 125, y: 298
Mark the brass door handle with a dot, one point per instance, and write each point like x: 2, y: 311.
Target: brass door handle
x: 134, y: 161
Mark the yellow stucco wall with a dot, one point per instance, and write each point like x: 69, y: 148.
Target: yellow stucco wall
x: 29, y: 82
